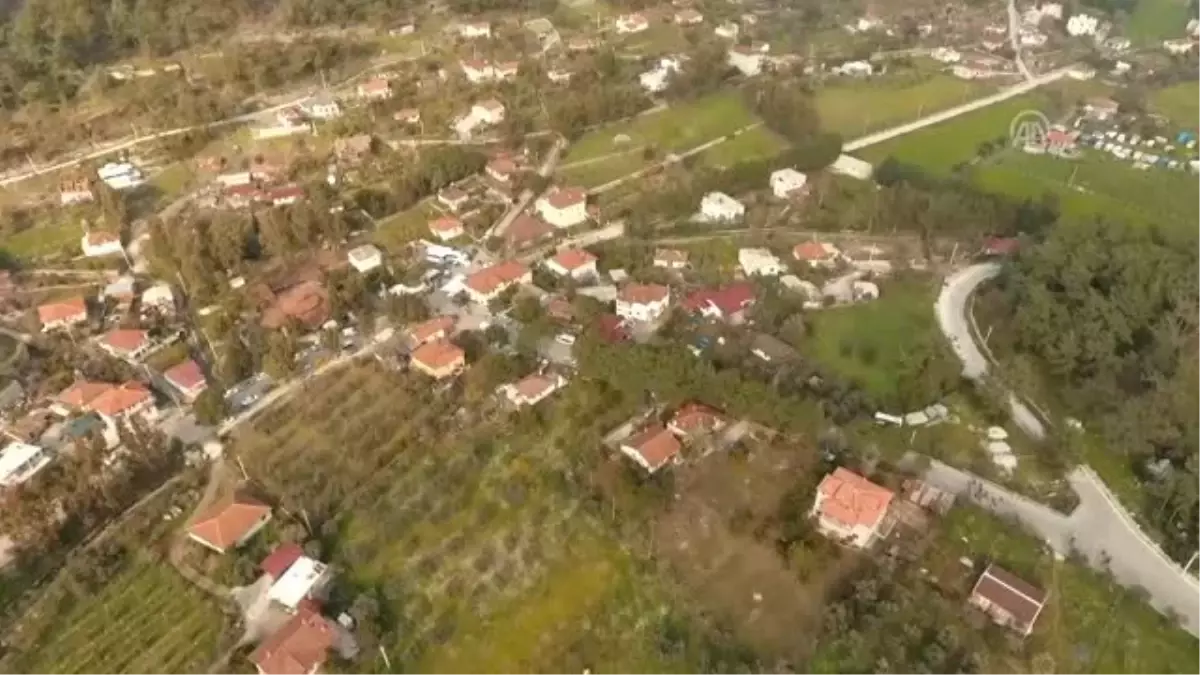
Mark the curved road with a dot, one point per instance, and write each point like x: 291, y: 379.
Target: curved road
x: 1099, y: 528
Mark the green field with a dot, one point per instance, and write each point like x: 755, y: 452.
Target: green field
x: 48, y: 238
x: 942, y: 146
x: 857, y: 108
x: 469, y: 529
x: 600, y: 171
x: 1096, y: 186
x: 399, y: 229
x: 1180, y: 103
x: 147, y: 619
x: 751, y: 145
x: 679, y: 127
x: 871, y: 343
x: 1155, y: 20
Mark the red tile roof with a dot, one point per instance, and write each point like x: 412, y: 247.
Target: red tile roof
x: 120, y: 399
x: 59, y: 311
x: 228, y: 521
x: 850, y: 499
x: 566, y: 197
x: 573, y: 258
x: 534, y: 386
x: 100, y: 237
x: 642, y: 294
x: 526, y: 229
x: 502, y: 166
x: 445, y: 224
x: 300, y: 646
x: 125, y: 339
x: 813, y: 250
x: 1001, y: 245
x: 428, y: 330
x: 438, y: 354
x: 375, y: 85
x: 488, y: 279
x: 612, y: 328
x: 81, y: 393
x: 306, y: 302
x: 281, y: 559
x: 186, y: 375
x: 695, y: 417
x: 656, y: 445
x: 286, y: 192
x: 728, y: 300
x: 475, y: 64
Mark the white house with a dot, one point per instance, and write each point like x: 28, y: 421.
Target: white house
x: 533, y: 389
x: 121, y: 175
x: 478, y: 71
x: 365, y: 258
x: 575, y: 263
x: 75, y: 191
x: 1181, y: 46
x: 475, y: 30
x: 747, y: 60
x: 855, y: 69
x: 1082, y: 24
x: 757, y: 262
x: 20, y: 461
x: 853, y: 167
x: 159, y: 297
x: 729, y: 31
x: 787, y: 183
x: 563, y: 207
x: 720, y: 207
x: 642, y: 302
x: 631, y: 23
x: 852, y: 509
x: 100, y: 243
x: 1081, y: 72
x: 656, y: 80
x: 446, y: 228
x: 490, y: 111
x: 304, y: 578
x: 945, y: 55
x: 322, y: 107
x: 375, y: 89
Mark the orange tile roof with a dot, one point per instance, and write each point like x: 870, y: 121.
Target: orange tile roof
x: 99, y: 237
x: 125, y: 339
x: 186, y: 375
x: 445, y: 224
x: 427, y: 330
x: 526, y: 229
x: 813, y: 250
x: 119, y: 399
x: 566, y: 197
x: 438, y: 354
x: 534, y: 386
x: 59, y: 311
x: 695, y: 417
x: 488, y: 279
x: 573, y: 258
x: 299, y: 646
x: 81, y: 393
x: 228, y: 521
x: 851, y: 500
x: 656, y: 445
x: 642, y: 294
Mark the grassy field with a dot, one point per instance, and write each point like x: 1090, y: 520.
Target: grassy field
x: 856, y: 108
x: 399, y: 229
x: 45, y: 239
x: 601, y: 171
x: 1096, y: 186
x: 869, y: 343
x: 1155, y: 20
x: 1180, y: 103
x: 940, y: 147
x: 751, y: 145
x: 677, y: 128
x: 147, y: 619
x: 486, y: 558
x: 1089, y: 625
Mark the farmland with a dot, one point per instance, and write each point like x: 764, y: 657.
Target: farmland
x: 48, y: 238
x: 399, y: 229
x: 1179, y: 103
x: 1154, y: 20
x: 860, y: 107
x: 486, y: 556
x: 750, y: 145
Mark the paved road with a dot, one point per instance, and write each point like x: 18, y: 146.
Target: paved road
x: 936, y: 118
x: 951, y: 310
x: 1014, y: 29
x: 1098, y: 529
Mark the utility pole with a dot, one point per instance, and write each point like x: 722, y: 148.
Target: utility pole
x: 386, y: 661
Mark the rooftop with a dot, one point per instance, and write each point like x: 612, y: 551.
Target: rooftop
x: 728, y: 299
x: 117, y: 400
x: 656, y: 445
x: 488, y: 279
x: 185, y: 375
x: 281, y: 559
x: 299, y: 646
x: 125, y: 339
x: 566, y: 197
x: 641, y: 294
x: 58, y: 311
x: 1012, y: 594
x: 297, y: 581
x: 851, y: 500
x: 573, y: 258
x: 438, y: 354
x: 228, y: 521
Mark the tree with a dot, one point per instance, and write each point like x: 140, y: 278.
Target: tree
x: 210, y: 405
x: 280, y: 358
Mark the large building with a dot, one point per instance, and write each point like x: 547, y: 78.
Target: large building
x: 852, y: 509
x: 1008, y: 600
x: 643, y: 302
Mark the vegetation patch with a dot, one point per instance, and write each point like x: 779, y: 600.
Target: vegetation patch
x: 858, y: 108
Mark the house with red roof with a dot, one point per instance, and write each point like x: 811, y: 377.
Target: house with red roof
x: 631, y: 23
x: 533, y: 389
x: 279, y: 560
x: 230, y: 523
x: 1008, y: 600
x: 643, y: 302
x: 446, y: 228
x: 575, y: 263
x: 285, y: 195
x: 79, y: 396
x: 563, y: 207
x: 652, y: 448
x: 438, y: 359
x: 1001, y: 246
x: 437, y: 328
x: 97, y: 243
x: 299, y: 647
x: 502, y: 170
x: 54, y: 315
x: 188, y: 378
x: 453, y: 198
x: 526, y: 230
x: 852, y: 509
x: 125, y: 343
x: 122, y: 402
x: 694, y: 419
x: 726, y: 303
x: 375, y: 89
x: 816, y: 253
x: 478, y: 70
x: 489, y: 282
